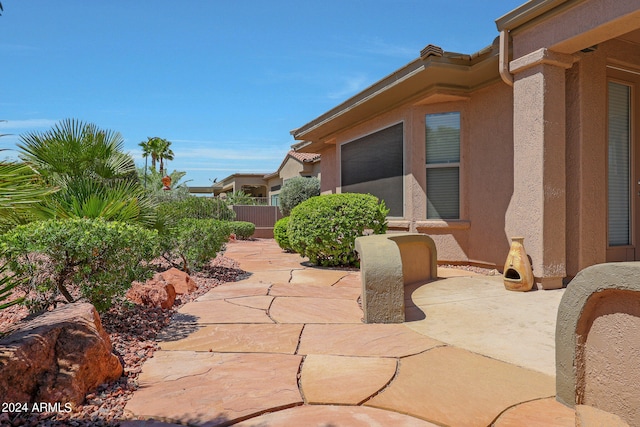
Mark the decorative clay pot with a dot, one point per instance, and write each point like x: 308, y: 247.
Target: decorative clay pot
x: 518, y: 275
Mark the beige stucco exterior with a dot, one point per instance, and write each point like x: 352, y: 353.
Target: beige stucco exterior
x: 533, y: 159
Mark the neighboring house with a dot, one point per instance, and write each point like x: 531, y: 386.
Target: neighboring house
x: 294, y: 164
x: 251, y: 184
x: 537, y: 135
x: 266, y: 187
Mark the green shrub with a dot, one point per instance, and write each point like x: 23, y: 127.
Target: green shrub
x: 280, y: 233
x: 197, y: 208
x: 297, y: 190
x: 194, y: 242
x: 91, y: 257
x: 324, y: 228
x: 242, y: 229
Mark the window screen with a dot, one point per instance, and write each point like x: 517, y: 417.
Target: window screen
x: 443, y: 165
x: 619, y: 134
x: 374, y: 164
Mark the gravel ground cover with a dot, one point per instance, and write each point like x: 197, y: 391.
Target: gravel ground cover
x: 133, y: 330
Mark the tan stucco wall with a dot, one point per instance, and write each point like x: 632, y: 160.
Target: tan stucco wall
x: 608, y: 354
x: 291, y: 168
x: 485, y: 181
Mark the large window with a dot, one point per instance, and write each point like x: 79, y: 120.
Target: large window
x: 619, y: 136
x: 443, y: 165
x: 374, y: 164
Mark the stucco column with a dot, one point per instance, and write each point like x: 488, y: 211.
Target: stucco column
x: 537, y: 209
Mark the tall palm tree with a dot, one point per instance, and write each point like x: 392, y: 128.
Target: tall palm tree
x: 150, y: 148
x: 164, y: 153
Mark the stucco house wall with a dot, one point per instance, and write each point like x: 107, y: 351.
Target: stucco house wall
x: 533, y: 137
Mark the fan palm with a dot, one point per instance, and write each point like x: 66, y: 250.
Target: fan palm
x: 95, y: 177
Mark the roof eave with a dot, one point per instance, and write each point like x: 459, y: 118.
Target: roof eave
x: 526, y: 13
x: 453, y: 74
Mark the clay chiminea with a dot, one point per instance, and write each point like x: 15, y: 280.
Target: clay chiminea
x: 518, y: 275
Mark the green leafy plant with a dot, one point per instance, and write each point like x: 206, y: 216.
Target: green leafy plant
x: 197, y: 208
x: 324, y: 228
x: 193, y: 242
x: 92, y: 258
x: 281, y: 233
x: 95, y: 177
x: 8, y: 283
x: 297, y: 190
x: 242, y: 229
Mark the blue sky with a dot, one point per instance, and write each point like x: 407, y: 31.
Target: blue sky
x: 224, y: 81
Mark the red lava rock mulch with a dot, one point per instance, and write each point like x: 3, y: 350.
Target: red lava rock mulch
x: 133, y: 331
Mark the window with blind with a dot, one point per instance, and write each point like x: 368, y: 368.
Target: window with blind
x: 374, y: 164
x: 619, y: 161
x: 443, y: 165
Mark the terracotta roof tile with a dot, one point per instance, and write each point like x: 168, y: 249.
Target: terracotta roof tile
x: 304, y: 157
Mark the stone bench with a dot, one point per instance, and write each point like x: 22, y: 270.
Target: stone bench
x: 389, y: 262
x: 597, y: 341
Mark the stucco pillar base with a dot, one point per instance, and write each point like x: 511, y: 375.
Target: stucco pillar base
x: 548, y: 283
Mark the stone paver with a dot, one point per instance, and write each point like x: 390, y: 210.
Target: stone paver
x: 381, y: 340
x: 317, y: 276
x: 314, y: 291
x: 214, y: 388
x: 314, y: 310
x: 260, y: 302
x: 344, y: 380
x: 240, y: 338
x: 236, y: 289
x: 538, y: 413
x: 287, y: 342
x: 334, y: 416
x: 458, y: 388
x: 220, y: 311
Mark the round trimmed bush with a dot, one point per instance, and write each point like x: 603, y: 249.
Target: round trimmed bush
x: 280, y: 233
x: 324, y: 228
x: 242, y: 229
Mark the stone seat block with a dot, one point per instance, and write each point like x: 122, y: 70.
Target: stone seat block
x: 389, y: 262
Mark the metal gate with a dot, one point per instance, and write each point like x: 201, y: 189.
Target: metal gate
x: 264, y: 218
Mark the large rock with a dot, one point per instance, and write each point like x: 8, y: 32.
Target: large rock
x: 57, y: 357
x: 155, y: 292
x: 180, y: 280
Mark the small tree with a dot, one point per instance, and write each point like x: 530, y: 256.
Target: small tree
x: 297, y: 190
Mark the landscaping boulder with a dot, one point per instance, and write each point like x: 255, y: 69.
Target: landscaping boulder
x: 181, y: 281
x: 57, y: 357
x: 155, y: 292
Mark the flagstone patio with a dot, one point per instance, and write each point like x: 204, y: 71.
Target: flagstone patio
x: 286, y: 346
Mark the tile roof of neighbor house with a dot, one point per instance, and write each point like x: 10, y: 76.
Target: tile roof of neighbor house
x: 301, y: 157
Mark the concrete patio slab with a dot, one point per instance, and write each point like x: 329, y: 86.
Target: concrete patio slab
x: 458, y: 388
x: 478, y: 314
x: 270, y: 277
x: 240, y: 338
x: 210, y: 389
x: 372, y: 340
x: 220, y: 311
x: 314, y: 310
x: 334, y: 416
x: 344, y: 380
x: 538, y: 413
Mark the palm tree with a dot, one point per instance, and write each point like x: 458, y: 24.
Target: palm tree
x: 158, y: 149
x: 96, y: 178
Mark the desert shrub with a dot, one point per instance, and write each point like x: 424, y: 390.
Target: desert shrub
x: 94, y: 258
x: 297, y: 190
x: 280, y: 233
x: 197, y: 208
x: 324, y: 228
x: 242, y: 229
x: 193, y: 242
